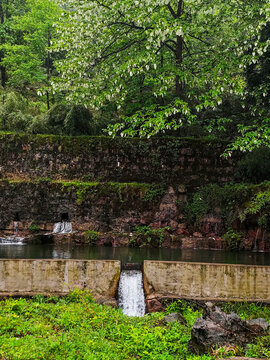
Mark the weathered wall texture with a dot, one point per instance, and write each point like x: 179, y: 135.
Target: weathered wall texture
x: 102, y: 207
x: 206, y: 281
x: 171, y: 160
x: 59, y: 277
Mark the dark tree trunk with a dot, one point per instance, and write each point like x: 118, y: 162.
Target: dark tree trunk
x: 3, y: 74
x: 49, y: 69
x: 2, y: 68
x: 179, y: 60
x: 179, y: 53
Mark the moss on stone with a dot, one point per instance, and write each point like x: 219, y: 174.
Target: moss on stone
x: 122, y: 191
x: 232, y: 202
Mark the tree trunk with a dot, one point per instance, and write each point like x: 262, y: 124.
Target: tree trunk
x: 2, y: 69
x: 179, y: 86
x: 179, y: 59
x: 3, y: 75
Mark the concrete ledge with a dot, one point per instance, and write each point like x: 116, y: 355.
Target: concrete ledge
x: 205, y: 281
x: 21, y: 277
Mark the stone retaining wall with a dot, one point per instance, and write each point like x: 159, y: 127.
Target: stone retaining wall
x: 97, y: 206
x: 171, y: 160
x: 205, y: 281
x: 29, y: 277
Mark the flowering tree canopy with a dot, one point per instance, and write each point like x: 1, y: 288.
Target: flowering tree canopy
x: 182, y: 55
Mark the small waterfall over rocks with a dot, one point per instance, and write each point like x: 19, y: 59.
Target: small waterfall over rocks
x: 15, y: 227
x: 12, y: 240
x: 131, y: 294
x: 64, y: 227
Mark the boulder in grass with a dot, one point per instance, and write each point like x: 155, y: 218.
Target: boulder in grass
x: 175, y: 317
x: 216, y: 328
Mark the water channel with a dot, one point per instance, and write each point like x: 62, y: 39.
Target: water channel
x: 126, y: 255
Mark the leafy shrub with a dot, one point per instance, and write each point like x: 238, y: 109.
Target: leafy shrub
x: 55, y: 118
x: 38, y: 125
x: 230, y: 202
x: 34, y: 227
x: 14, y: 114
x: 145, y: 236
x: 254, y: 167
x: 64, y: 119
x: 232, y: 239
x: 78, y: 121
x: 91, y: 237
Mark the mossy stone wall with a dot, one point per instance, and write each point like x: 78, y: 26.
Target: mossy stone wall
x: 168, y: 160
x: 100, y: 206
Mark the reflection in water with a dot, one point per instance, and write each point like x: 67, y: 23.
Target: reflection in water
x: 67, y: 251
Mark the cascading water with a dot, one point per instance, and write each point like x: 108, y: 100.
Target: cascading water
x: 15, y: 227
x: 130, y: 293
x: 12, y: 240
x: 64, y: 227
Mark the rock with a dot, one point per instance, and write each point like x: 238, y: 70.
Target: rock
x: 175, y: 317
x: 258, y: 325
x: 173, y: 225
x: 197, y: 234
x: 216, y: 328
x: 154, y: 305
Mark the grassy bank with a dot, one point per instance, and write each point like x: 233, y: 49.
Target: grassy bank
x: 75, y: 327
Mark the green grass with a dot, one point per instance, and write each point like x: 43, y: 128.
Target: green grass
x: 75, y: 327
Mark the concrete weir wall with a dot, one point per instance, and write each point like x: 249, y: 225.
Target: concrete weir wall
x: 205, y: 281
x: 162, y: 279
x: 29, y: 277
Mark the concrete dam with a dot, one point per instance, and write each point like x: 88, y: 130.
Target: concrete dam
x: 161, y: 279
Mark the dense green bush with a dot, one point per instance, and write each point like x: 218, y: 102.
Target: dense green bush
x: 232, y: 239
x: 254, y: 167
x: 232, y: 202
x: 91, y: 237
x: 20, y: 114
x: 145, y: 236
x: 64, y: 119
x: 14, y: 115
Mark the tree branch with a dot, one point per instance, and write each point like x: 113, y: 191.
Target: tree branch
x: 171, y: 41
x: 203, y: 41
x: 170, y: 48
x: 179, y: 8
x: 187, y: 48
x: 124, y: 47
x: 132, y: 25
x: 171, y: 11
x: 103, y: 5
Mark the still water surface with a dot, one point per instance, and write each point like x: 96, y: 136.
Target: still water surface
x: 31, y: 251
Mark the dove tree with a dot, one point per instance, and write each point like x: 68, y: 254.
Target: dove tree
x: 182, y: 55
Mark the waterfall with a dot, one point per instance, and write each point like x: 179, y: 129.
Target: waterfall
x: 62, y: 228
x: 130, y: 292
x: 15, y: 227
x: 12, y: 240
